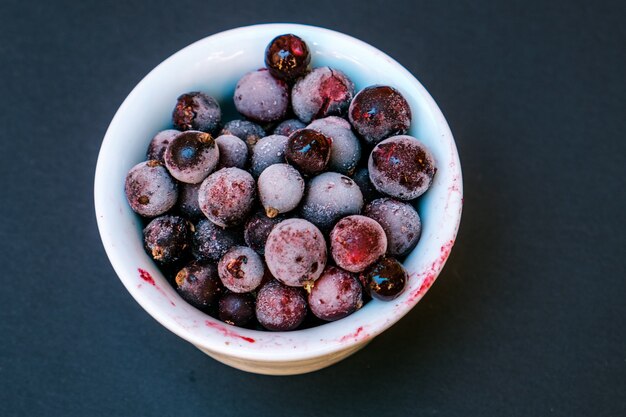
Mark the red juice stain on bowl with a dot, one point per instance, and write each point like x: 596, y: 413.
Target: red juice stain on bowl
x: 227, y: 332
x: 145, y: 275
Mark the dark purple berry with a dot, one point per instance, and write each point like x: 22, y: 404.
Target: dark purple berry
x: 362, y: 179
x: 401, y: 167
x: 346, y: 149
x: 167, y: 238
x: 323, y: 92
x: 198, y: 284
x: 191, y: 156
x: 287, y: 57
x: 356, y: 242
x: 188, y: 201
x: 281, y: 188
x: 385, y: 279
x: 335, y: 295
x: 197, y: 111
x: 280, y: 308
x: 287, y: 127
x: 245, y: 130
x: 309, y: 151
x: 295, y: 252
x: 227, y: 196
x: 149, y: 188
x: 159, y: 143
x: 233, y: 152
x: 400, y: 222
x: 261, y: 97
x: 241, y: 269
x: 378, y: 112
x: 211, y: 242
x: 237, y: 309
x: 330, y: 196
x: 268, y: 151
x: 258, y: 228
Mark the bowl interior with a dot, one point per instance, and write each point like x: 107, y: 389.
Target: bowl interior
x: 214, y: 65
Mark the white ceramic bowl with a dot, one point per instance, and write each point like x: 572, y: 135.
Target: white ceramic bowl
x: 213, y: 65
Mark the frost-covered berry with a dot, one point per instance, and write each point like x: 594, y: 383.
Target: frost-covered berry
x: 237, y: 309
x: 356, y: 242
x: 167, y: 238
x: 295, y: 252
x: 188, y: 201
x: 245, y: 130
x: 401, y: 167
x: 280, y: 308
x: 226, y: 197
x: 378, y: 112
x: 400, y: 222
x: 149, y: 188
x: 198, y: 284
x: 197, y: 111
x: 385, y: 280
x: 268, y: 151
x: 287, y: 57
x: 335, y: 295
x: 346, y: 149
x: 158, y: 144
x: 241, y: 269
x: 362, y: 179
x: 261, y: 97
x: 232, y: 150
x: 211, y: 242
x: 323, y: 92
x: 287, y: 127
x: 191, y: 156
x: 309, y: 151
x: 330, y: 196
x: 281, y: 188
x: 258, y: 228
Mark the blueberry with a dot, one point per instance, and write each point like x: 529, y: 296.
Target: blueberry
x: 280, y: 308
x: 401, y: 167
x: 385, y: 280
x: 188, y: 201
x: 330, y: 196
x: 346, y: 149
x: 197, y: 111
x: 211, y: 242
x: 149, y: 188
x: 261, y: 97
x: 356, y: 242
x: 378, y: 112
x: 400, y: 222
x: 241, y: 269
x: 289, y: 126
x: 158, y: 144
x: 287, y: 57
x: 362, y: 178
x: 335, y: 295
x: 258, y: 228
x: 237, y: 309
x: 191, y: 156
x: 233, y: 151
x: 167, y: 238
x: 309, y: 151
x: 245, y: 130
x: 323, y: 92
x: 198, y: 284
x: 268, y: 151
x: 227, y: 196
x: 280, y: 189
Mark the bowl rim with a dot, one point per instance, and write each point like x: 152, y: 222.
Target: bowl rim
x: 217, y: 342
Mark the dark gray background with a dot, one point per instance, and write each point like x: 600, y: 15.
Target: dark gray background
x: 528, y: 317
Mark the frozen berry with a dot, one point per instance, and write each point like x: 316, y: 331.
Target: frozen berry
x: 237, y: 309
x: 335, y: 295
x: 232, y: 150
x: 197, y: 111
x: 167, y: 238
x: 241, y: 269
x: 346, y: 149
x: 330, y: 196
x: 159, y: 143
x: 245, y: 130
x: 268, y: 151
x: 356, y: 242
x: 378, y: 112
x: 261, y: 97
x: 188, y: 201
x: 258, y: 228
x: 191, y: 156
x: 401, y: 167
x: 400, y: 222
x: 287, y: 127
x: 199, y: 285
x: 362, y: 179
x: 226, y: 197
x: 295, y: 252
x: 323, y: 92
x: 287, y: 57
x: 309, y: 151
x: 385, y: 279
x: 280, y: 308
x: 211, y: 242
x: 281, y: 188
x: 149, y: 188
